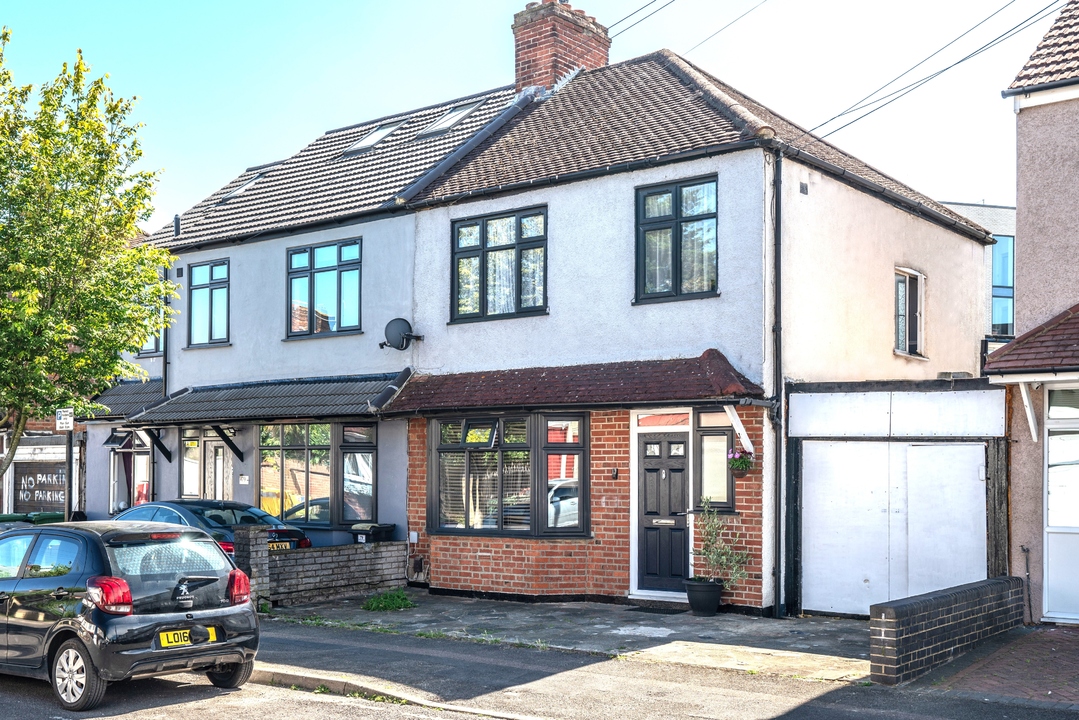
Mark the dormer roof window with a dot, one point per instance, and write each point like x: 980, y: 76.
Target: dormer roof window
x: 451, y: 118
x: 374, y: 137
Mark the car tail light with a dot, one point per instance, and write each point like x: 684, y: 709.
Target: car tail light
x: 304, y: 542
x: 165, y: 536
x: 228, y: 547
x: 110, y: 594
x: 239, y: 587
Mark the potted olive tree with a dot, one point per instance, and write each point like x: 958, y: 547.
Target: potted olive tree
x: 721, y: 563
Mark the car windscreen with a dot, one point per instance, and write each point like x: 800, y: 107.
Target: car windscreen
x: 172, y: 575
x: 229, y: 517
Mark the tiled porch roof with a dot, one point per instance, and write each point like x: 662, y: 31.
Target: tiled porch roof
x: 1053, y: 345
x: 708, y: 377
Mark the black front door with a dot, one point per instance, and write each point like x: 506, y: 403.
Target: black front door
x: 663, y: 551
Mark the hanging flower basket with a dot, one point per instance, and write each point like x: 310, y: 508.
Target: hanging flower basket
x: 740, y: 462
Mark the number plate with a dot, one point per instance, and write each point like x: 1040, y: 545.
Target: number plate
x: 177, y: 638
x: 280, y: 546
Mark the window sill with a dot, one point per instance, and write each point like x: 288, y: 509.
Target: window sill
x: 149, y: 355
x: 322, y: 336
x: 508, y: 316
x: 675, y: 298
x: 910, y: 356
x: 209, y: 346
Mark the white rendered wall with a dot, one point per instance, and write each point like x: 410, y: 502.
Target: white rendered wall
x: 591, y: 276
x: 841, y: 247
x: 258, y: 311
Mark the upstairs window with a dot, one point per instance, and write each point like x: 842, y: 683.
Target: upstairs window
x: 1004, y: 285
x: 676, y: 241
x: 324, y: 289
x: 500, y: 265
x: 374, y: 137
x: 451, y: 118
x: 208, y: 317
x: 909, y: 287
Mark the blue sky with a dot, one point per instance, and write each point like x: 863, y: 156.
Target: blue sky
x: 225, y: 85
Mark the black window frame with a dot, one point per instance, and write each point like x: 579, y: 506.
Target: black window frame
x: 1002, y: 291
x: 539, y: 448
x: 211, y: 285
x: 333, y: 521
x: 699, y: 433
x: 342, y: 447
x: 914, y: 306
x: 309, y: 272
x: 674, y: 222
x: 481, y: 251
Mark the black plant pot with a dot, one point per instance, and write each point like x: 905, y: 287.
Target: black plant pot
x: 703, y: 596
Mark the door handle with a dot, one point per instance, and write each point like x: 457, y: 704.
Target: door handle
x: 679, y: 514
x: 60, y: 593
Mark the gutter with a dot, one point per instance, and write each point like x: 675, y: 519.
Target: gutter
x: 624, y: 405
x: 1035, y: 371
x: 527, y: 96
x: 1030, y: 89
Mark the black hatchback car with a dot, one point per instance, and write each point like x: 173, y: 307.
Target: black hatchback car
x: 86, y: 604
x: 218, y: 517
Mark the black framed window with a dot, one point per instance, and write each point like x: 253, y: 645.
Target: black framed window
x: 676, y: 240
x: 908, y: 312
x: 509, y: 475
x: 208, y: 303
x: 713, y: 438
x: 500, y: 265
x: 324, y: 288
x: 294, y: 472
x: 359, y: 499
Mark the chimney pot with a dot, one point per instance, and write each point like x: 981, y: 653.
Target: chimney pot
x: 552, y: 39
x: 176, y: 225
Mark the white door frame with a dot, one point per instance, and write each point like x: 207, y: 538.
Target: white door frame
x: 634, y: 499
x: 1048, y: 425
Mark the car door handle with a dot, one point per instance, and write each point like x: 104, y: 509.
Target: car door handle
x: 60, y: 593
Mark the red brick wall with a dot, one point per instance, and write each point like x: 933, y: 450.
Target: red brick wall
x: 587, y: 566
x: 552, y: 39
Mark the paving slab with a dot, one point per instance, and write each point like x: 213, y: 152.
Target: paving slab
x: 813, y: 648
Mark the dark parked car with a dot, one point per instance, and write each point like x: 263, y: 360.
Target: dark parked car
x: 90, y: 603
x: 218, y: 517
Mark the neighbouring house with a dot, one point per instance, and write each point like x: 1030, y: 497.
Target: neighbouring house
x: 1040, y: 367
x: 616, y: 275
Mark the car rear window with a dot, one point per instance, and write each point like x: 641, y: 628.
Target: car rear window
x: 228, y: 517
x: 172, y: 576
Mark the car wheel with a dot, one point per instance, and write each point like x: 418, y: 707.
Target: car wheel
x: 74, y: 677
x: 232, y: 676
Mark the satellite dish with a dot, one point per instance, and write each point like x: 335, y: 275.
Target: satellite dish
x: 399, y: 334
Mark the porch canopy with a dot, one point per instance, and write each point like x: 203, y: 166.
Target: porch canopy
x: 341, y: 396
x: 710, y: 377
x: 1047, y: 354
x: 127, y: 397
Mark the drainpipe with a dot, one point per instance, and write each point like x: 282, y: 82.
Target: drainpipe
x: 777, y: 413
x: 165, y: 351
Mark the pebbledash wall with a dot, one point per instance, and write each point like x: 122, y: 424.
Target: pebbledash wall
x: 596, y: 567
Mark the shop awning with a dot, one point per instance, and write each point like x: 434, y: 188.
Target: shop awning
x: 313, y: 398
x: 710, y: 377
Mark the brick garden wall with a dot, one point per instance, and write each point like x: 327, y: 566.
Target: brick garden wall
x: 596, y: 566
x: 911, y: 636
x: 303, y: 575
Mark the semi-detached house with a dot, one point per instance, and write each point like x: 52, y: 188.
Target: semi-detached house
x: 620, y: 273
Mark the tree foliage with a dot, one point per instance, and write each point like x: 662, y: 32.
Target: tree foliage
x: 77, y: 291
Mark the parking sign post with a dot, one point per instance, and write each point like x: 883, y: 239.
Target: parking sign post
x: 65, y: 421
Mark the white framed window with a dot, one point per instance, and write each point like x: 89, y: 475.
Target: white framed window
x: 909, y: 313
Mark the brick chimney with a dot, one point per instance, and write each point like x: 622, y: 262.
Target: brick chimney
x: 552, y: 40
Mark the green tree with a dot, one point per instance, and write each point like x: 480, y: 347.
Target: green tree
x: 77, y: 291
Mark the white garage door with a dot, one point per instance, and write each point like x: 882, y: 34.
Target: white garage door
x: 886, y: 520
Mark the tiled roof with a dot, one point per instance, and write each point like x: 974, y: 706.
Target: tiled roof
x: 320, y: 184
x: 708, y: 377
x: 270, y: 400
x: 128, y: 397
x: 1053, y: 345
x: 650, y: 107
x: 1056, y: 59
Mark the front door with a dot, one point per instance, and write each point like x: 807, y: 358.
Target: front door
x: 1061, y: 600
x: 217, y: 471
x: 663, y: 499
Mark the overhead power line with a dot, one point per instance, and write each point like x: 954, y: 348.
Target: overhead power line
x: 732, y: 22
x: 1014, y: 30
x: 627, y: 17
x: 669, y: 2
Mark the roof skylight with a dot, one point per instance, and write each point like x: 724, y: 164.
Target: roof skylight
x: 243, y: 187
x: 451, y: 118
x: 374, y: 137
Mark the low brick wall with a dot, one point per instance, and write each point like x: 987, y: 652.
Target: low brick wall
x: 911, y: 636
x: 288, y: 577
